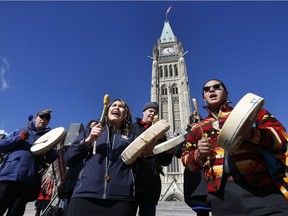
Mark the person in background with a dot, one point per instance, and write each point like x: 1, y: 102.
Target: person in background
x: 105, y: 185
x: 46, y: 191
x: 149, y: 166
x: 73, y: 172
x: 195, y: 186
x: 238, y: 182
x: 20, y: 173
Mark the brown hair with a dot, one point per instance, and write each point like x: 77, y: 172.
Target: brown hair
x: 126, y: 124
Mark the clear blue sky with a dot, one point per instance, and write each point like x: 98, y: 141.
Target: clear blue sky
x: 67, y: 55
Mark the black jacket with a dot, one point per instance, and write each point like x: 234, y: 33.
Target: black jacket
x: 148, y: 170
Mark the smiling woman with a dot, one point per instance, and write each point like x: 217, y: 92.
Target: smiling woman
x: 115, y: 180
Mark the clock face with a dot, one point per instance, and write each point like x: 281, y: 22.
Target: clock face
x: 168, y: 50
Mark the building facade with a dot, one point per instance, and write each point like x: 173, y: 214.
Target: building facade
x: 170, y: 89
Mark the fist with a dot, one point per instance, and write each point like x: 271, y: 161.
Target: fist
x: 24, y: 135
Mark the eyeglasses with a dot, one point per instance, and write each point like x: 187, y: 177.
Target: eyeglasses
x: 47, y: 117
x: 215, y: 87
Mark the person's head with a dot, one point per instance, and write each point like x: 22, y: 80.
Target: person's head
x: 214, y: 94
x: 119, y: 115
x: 150, y: 109
x: 92, y: 123
x: 42, y: 118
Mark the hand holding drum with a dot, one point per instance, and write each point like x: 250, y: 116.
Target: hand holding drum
x: 144, y: 140
x: 238, y: 125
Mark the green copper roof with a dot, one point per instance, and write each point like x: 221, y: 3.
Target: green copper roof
x: 167, y: 33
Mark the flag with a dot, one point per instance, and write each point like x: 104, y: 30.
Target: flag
x: 168, y: 9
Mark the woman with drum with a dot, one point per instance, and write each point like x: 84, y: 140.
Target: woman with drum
x: 238, y: 180
x: 105, y: 185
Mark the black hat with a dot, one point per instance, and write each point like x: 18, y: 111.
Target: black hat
x: 45, y: 112
x: 153, y: 105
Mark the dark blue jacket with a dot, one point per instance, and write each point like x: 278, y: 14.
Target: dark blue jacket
x: 91, y: 182
x: 20, y: 164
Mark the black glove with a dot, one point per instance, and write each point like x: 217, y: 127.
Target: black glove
x: 24, y: 135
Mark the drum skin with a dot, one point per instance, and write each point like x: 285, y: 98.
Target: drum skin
x: 48, y: 141
x: 169, y: 144
x: 244, y: 114
x: 151, y: 135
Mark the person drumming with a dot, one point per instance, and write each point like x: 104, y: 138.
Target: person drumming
x: 20, y: 173
x: 238, y: 182
x: 149, y: 166
x: 105, y: 186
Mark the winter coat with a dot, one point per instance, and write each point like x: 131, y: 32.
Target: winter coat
x: 107, y: 161
x: 20, y: 164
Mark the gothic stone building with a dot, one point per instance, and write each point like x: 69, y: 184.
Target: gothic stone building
x: 170, y: 89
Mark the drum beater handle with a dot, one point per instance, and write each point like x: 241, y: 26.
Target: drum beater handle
x: 28, y: 123
x: 197, y: 114
x: 102, y: 119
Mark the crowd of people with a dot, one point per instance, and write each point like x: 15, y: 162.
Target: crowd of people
x: 216, y: 181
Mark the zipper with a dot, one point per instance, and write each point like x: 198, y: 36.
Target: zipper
x: 108, y: 164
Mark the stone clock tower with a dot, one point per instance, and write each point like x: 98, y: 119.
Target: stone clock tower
x: 169, y: 85
x: 170, y: 89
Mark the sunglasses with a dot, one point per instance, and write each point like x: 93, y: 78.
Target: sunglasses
x: 47, y: 117
x: 215, y: 87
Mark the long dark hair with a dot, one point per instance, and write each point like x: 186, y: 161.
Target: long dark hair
x: 126, y: 124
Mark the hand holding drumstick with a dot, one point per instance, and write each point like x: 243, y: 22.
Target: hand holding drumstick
x: 94, y: 134
x: 96, y: 130
x: 204, y: 147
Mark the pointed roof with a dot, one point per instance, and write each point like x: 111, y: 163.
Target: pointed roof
x: 167, y: 33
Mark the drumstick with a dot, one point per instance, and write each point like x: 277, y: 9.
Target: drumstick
x: 207, y: 163
x: 28, y: 123
x: 197, y: 113
x: 101, y: 121
x: 195, y: 104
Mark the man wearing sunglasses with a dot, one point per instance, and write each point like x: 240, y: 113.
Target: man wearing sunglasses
x: 20, y: 173
x: 239, y: 182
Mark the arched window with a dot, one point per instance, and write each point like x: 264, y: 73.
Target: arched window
x: 174, y: 89
x: 160, y: 72
x: 170, y: 71
x: 164, y: 108
x: 164, y: 90
x: 166, y: 71
x: 175, y: 70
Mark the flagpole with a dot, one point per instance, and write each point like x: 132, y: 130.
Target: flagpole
x: 167, y: 11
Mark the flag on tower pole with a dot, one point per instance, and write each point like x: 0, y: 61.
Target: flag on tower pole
x: 168, y: 11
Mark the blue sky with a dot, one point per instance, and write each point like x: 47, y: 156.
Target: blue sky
x: 67, y: 55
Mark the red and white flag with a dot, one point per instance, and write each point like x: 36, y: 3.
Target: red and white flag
x: 168, y: 9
